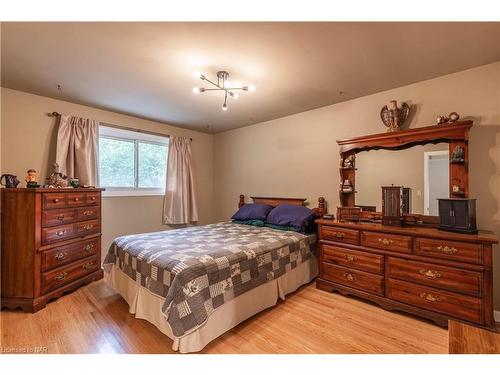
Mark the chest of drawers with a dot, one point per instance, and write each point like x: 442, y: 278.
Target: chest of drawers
x: 423, y: 271
x: 51, y: 244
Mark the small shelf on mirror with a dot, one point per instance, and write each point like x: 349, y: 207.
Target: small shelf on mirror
x: 461, y: 193
x: 348, y: 192
x: 457, y: 161
x: 348, y: 169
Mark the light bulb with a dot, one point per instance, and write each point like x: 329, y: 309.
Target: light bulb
x: 224, y: 107
x: 197, y: 74
x: 227, y: 83
x: 251, y: 87
x: 236, y: 96
x: 196, y: 90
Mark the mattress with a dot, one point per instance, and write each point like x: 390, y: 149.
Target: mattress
x: 197, y: 270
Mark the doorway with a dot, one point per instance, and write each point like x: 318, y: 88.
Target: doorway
x: 436, y: 180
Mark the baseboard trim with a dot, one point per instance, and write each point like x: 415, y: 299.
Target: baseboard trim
x: 496, y: 315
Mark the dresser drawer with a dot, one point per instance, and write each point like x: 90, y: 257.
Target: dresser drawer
x: 385, y: 241
x: 59, y: 233
x: 87, y: 213
x: 352, y: 258
x: 451, y: 250
x: 338, y: 234
x: 57, y: 217
x: 93, y: 199
x: 86, y: 228
x: 62, y: 255
x: 54, y: 200
x: 452, y: 304
x: 76, y: 199
x: 453, y: 279
x: 63, y: 275
x: 353, y: 278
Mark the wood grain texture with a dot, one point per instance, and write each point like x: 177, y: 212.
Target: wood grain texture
x: 466, y: 339
x: 95, y: 319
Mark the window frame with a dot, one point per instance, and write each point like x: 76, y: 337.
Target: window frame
x: 135, y: 137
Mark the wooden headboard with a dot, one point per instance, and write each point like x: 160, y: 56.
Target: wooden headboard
x: 276, y: 201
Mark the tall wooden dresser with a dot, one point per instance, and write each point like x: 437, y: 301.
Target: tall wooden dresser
x: 423, y: 271
x: 51, y: 244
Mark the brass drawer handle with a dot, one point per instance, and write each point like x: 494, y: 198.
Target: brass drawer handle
x: 385, y: 241
x: 61, y: 232
x: 88, y: 226
x: 60, y: 256
x: 93, y: 198
x: 61, y: 276
x: 88, y: 248
x: 430, y: 298
x: 430, y: 274
x: 350, y: 258
x: 55, y: 200
x: 88, y: 265
x: 349, y: 276
x: 447, y: 249
x: 76, y: 199
x: 339, y: 234
x: 88, y: 213
x: 60, y: 217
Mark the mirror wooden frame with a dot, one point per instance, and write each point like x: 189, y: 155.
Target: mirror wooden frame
x: 455, y: 134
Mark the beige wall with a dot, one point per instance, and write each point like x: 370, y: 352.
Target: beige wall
x: 297, y: 156
x: 28, y: 141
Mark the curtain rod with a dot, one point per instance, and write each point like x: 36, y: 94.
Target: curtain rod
x: 57, y: 114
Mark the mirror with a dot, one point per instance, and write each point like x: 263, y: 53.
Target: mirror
x: 422, y: 168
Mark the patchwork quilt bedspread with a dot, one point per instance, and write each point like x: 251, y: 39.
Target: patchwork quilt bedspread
x: 197, y: 269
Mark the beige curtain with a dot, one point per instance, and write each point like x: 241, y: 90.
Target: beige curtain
x: 179, y: 203
x: 77, y: 149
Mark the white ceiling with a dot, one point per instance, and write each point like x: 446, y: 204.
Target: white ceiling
x: 146, y: 69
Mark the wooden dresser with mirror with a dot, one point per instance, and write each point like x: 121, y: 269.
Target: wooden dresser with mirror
x: 51, y: 244
x: 415, y: 268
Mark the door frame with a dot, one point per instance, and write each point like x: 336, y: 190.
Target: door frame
x: 427, y: 157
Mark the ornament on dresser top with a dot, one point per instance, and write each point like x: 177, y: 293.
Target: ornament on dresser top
x: 57, y: 179
x: 74, y: 182
x: 452, y: 117
x: 348, y: 162
x: 31, y: 179
x: 11, y: 181
x: 393, y: 116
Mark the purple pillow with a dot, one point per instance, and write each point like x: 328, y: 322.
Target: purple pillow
x: 253, y: 212
x: 299, y: 218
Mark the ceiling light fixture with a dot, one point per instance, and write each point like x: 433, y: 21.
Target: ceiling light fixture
x: 222, y: 84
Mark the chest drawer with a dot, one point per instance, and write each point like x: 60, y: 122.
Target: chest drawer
x: 87, y: 213
x: 62, y: 255
x: 86, y: 228
x: 338, y: 234
x: 386, y: 241
x: 352, y: 258
x: 53, y: 200
x: 456, y: 305
x: 353, y: 278
x: 57, y: 217
x: 59, y: 233
x: 93, y: 199
x: 63, y: 275
x: 75, y: 199
x: 453, y: 279
x: 452, y: 250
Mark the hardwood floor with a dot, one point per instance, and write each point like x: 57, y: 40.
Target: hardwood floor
x: 95, y: 319
x: 466, y: 339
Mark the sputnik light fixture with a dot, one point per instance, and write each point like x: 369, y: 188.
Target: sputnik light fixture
x: 223, y: 84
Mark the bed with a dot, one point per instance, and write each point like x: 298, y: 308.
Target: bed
x: 198, y: 282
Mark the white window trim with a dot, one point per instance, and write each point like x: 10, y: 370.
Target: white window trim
x: 121, y: 134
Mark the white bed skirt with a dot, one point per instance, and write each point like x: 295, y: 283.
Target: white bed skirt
x: 147, y: 305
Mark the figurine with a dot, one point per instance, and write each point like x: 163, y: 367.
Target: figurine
x: 57, y: 179
x: 458, y: 154
x: 441, y: 119
x: 349, y: 161
x: 31, y: 179
x: 346, y: 186
x: 394, y: 117
x: 452, y: 117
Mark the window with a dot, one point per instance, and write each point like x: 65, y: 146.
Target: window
x: 132, y: 163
